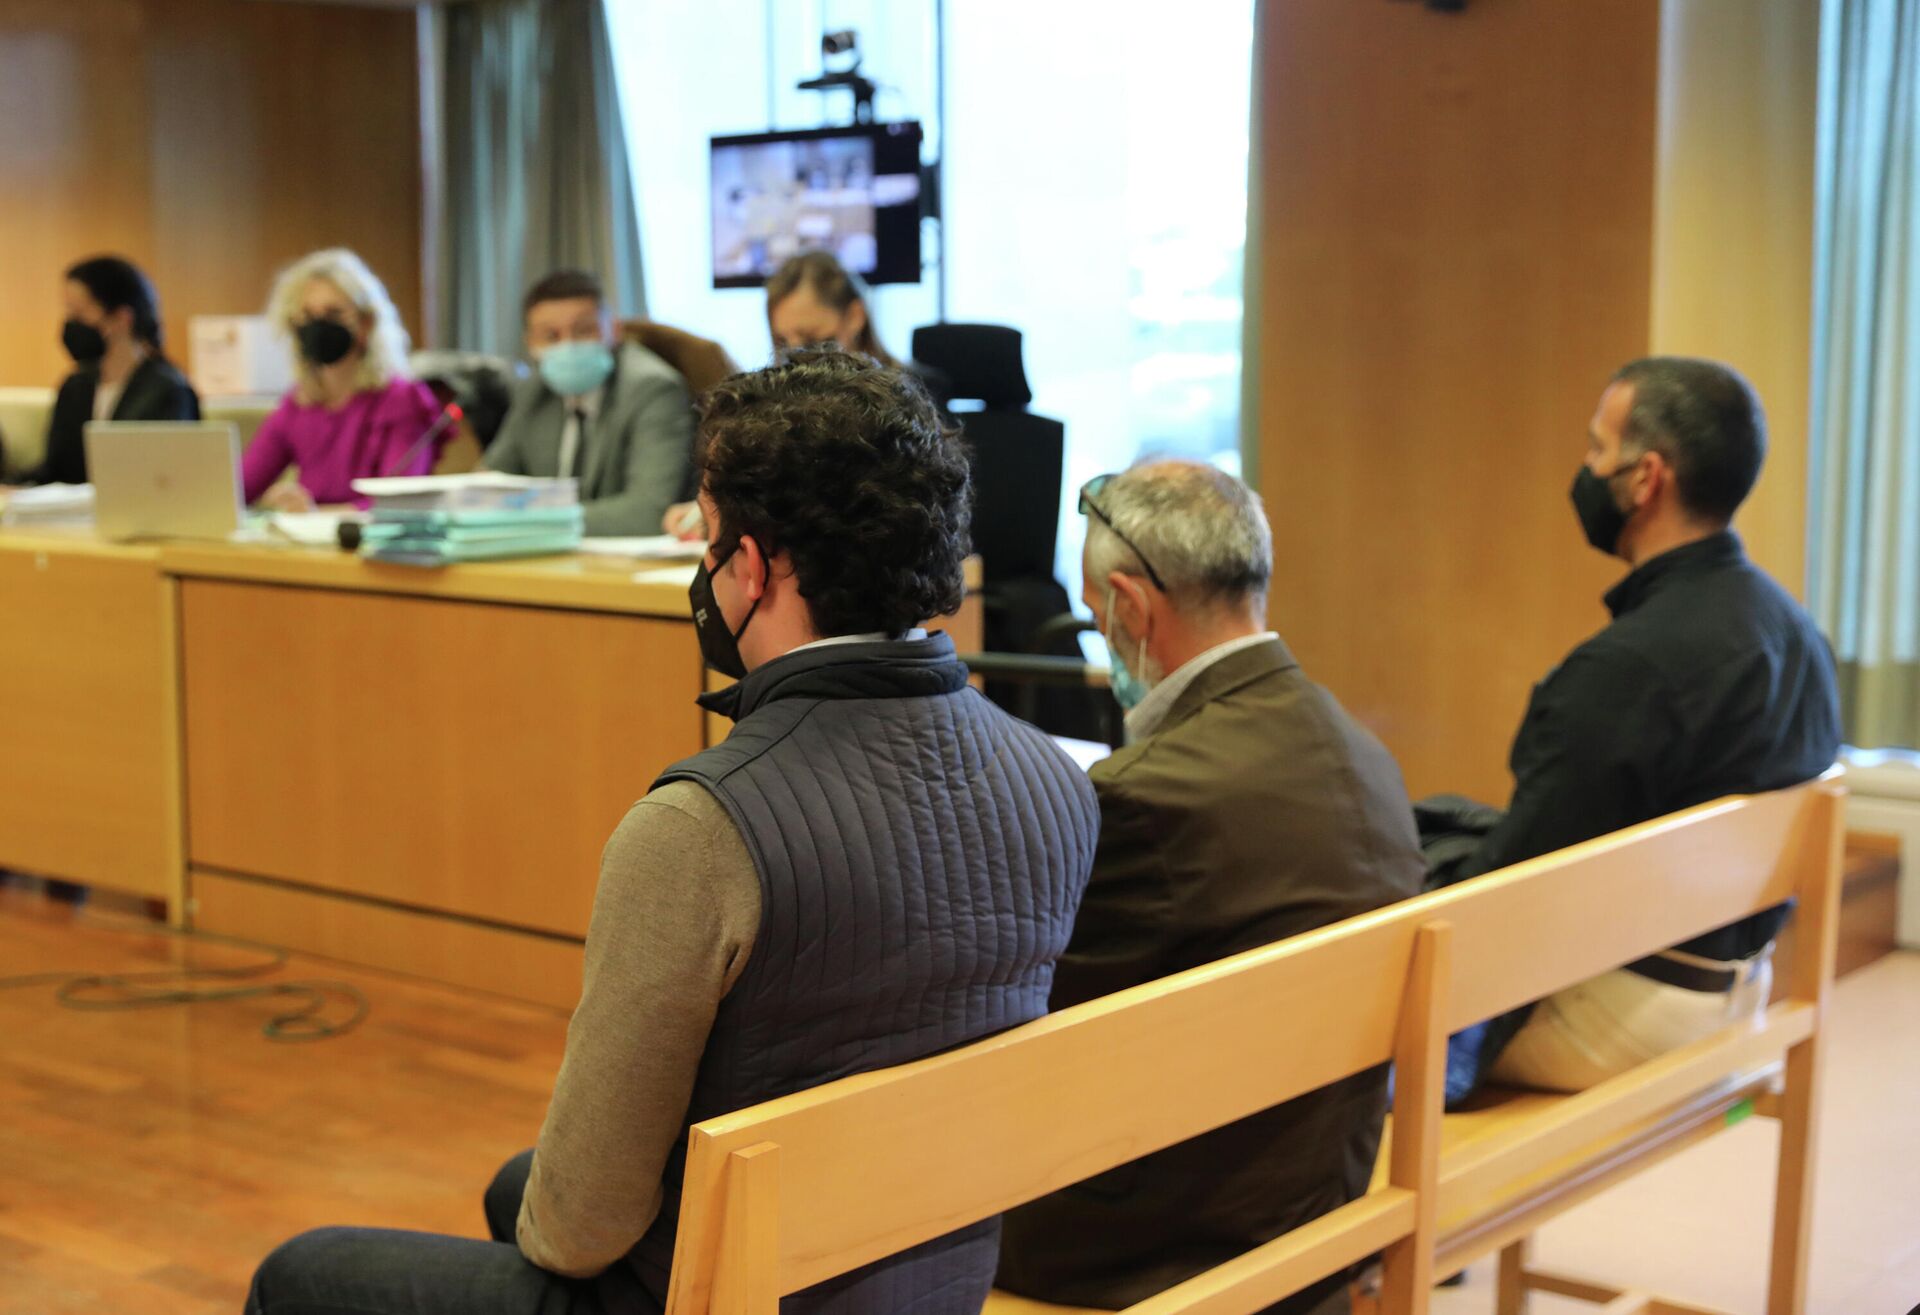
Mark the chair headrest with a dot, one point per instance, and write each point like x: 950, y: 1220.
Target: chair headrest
x: 977, y: 362
x: 700, y: 361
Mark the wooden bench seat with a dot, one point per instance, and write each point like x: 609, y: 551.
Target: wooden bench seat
x: 1474, y: 1227
x: 799, y: 1190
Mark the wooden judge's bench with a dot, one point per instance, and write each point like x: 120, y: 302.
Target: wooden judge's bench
x: 410, y: 769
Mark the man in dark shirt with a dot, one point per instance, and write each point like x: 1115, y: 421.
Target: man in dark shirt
x: 1710, y: 681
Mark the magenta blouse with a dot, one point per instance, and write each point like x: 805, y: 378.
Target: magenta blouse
x: 364, y: 438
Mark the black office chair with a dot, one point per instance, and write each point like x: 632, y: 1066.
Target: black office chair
x: 1017, y: 455
x: 1017, y: 459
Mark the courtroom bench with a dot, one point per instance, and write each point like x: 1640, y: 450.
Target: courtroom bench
x: 796, y: 1191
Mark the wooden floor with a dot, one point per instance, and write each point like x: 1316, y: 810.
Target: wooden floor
x: 149, y: 1159
x: 1696, y: 1227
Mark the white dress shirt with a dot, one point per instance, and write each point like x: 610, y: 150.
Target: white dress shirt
x: 573, y: 433
x: 1145, y: 719
x: 872, y: 637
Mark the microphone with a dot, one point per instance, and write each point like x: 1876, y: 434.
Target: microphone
x: 449, y: 415
x: 347, y: 533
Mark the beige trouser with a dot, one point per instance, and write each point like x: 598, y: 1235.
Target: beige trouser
x: 1580, y: 1037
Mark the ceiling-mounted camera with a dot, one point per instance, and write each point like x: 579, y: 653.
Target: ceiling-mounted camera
x: 834, y: 45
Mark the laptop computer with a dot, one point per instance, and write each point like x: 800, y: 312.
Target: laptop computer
x: 164, y: 479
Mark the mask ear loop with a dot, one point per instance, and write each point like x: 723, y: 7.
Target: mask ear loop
x: 746, y: 620
x: 1627, y: 469
x: 1140, y: 656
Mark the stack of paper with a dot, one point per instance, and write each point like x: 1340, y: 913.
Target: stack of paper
x: 436, y: 520
x: 441, y: 538
x: 483, y: 489
x: 49, y: 504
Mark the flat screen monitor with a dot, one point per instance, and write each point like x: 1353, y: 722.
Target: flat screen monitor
x: 852, y: 191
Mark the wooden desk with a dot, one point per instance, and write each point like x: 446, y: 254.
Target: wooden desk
x: 418, y: 769
x: 410, y: 769
x: 89, y: 753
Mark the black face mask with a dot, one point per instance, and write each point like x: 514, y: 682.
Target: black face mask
x: 324, y: 342
x: 83, y: 342
x: 718, y: 645
x: 1600, y: 516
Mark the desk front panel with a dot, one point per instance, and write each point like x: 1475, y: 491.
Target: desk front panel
x: 89, y: 764
x: 456, y: 757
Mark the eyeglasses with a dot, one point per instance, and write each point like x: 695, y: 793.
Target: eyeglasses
x: 1088, y: 507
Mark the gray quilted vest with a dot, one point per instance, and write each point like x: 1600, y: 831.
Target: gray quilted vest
x: 921, y: 857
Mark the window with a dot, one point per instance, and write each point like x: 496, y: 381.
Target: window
x: 1103, y: 213
x: 1096, y: 190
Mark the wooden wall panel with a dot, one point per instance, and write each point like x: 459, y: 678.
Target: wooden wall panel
x: 1456, y: 222
x: 75, y: 158
x: 211, y: 141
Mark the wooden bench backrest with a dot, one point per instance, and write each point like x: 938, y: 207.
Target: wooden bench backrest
x: 798, y: 1190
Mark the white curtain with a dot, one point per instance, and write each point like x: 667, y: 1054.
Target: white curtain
x: 1864, y: 530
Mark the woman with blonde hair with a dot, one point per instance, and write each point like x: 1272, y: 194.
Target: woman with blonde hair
x: 354, y: 412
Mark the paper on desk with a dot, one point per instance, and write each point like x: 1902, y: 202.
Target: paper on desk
x: 48, y: 502
x: 315, y: 529
x: 679, y: 573
x: 390, y: 486
x: 647, y: 547
x: 293, y: 529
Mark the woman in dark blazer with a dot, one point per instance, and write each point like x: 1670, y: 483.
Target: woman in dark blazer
x: 120, y: 372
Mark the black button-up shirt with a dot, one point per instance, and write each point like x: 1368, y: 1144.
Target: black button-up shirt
x: 1711, y: 681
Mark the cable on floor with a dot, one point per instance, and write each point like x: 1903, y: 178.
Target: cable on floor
x: 157, y: 988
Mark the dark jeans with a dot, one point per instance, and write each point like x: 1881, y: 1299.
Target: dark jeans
x: 383, y: 1271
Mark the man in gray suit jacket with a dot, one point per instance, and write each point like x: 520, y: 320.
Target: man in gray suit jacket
x: 616, y: 418
x: 1247, y: 807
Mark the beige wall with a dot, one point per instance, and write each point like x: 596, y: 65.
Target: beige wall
x: 211, y: 141
x: 1733, y: 228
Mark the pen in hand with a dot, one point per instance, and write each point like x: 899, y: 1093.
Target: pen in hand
x: 691, y: 525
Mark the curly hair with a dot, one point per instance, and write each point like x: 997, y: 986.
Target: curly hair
x: 846, y: 466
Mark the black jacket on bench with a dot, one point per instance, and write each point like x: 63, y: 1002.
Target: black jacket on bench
x: 1259, y: 810
x: 1711, y: 681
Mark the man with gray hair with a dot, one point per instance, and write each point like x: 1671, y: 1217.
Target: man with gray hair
x: 1247, y: 807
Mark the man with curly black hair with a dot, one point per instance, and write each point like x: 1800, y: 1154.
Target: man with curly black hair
x: 848, y: 471
x: 876, y: 865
